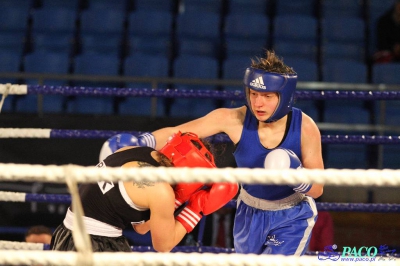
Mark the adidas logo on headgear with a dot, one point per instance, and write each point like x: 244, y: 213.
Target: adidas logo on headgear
x: 258, y: 83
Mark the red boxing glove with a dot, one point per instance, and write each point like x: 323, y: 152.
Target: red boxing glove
x: 183, y: 191
x: 218, y: 196
x: 205, y: 202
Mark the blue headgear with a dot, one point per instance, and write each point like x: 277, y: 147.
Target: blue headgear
x: 263, y: 81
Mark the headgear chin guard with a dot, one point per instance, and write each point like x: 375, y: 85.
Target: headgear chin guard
x: 187, y: 150
x: 263, y: 81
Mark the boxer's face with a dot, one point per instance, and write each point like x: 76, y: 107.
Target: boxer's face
x: 263, y: 104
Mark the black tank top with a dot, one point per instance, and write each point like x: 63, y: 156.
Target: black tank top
x: 107, y: 201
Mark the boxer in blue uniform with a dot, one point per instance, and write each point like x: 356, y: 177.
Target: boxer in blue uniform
x: 270, y: 219
x: 110, y: 207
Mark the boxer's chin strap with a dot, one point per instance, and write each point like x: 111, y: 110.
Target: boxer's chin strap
x: 82, y: 240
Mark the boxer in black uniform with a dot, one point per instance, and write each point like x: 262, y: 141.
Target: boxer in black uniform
x: 110, y: 207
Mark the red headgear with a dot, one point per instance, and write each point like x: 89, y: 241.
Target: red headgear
x: 182, y: 151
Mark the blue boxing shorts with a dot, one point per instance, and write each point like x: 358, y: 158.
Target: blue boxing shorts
x: 274, y: 227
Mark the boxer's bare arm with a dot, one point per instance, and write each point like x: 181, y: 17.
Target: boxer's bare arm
x: 311, y: 151
x: 217, y: 121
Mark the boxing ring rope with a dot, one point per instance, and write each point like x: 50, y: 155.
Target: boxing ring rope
x: 175, y: 259
x: 218, y: 138
x: 321, y: 206
x: 81, y: 174
x: 367, y: 92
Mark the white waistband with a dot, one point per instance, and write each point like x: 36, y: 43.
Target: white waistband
x: 93, y: 227
x: 270, y: 205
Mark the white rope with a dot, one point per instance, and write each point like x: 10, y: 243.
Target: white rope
x: 5, y: 94
x: 81, y: 238
x: 13, y: 89
x: 25, y: 133
x: 12, y: 196
x: 91, y: 174
x: 176, y: 259
x: 14, y: 245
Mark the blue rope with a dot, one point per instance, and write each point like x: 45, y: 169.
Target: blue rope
x: 223, y: 138
x: 321, y: 206
x: 51, y: 198
x: 212, y: 94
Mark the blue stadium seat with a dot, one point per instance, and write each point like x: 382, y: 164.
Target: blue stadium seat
x: 70, y: 4
x: 309, y: 107
x: 188, y: 66
x: 346, y: 112
x: 201, y: 5
x: 104, y: 27
x: 119, y: 5
x: 188, y: 24
x: 150, y: 31
x: 240, y: 47
x: 296, y: 30
x: 307, y: 70
x: 150, y: 23
x: 289, y: 7
x: 54, y: 42
x: 346, y: 156
x: 54, y: 19
x: 14, y: 19
x: 304, y: 50
x: 203, y: 36
x: 388, y: 74
x: 144, y: 65
x: 344, y: 30
x: 102, y: 43
x: 94, y: 64
x: 342, y: 111
x: 391, y: 157
x: 343, y: 51
x: 23, y: 5
x: 248, y: 7
x: 90, y: 105
x: 53, y: 28
x: 148, y: 45
x: 233, y: 68
x: 344, y: 71
x: 10, y: 61
x: 342, y: 8
x: 165, y: 5
x: 246, y: 34
x: 47, y: 63
x: 102, y: 21
x: 12, y: 41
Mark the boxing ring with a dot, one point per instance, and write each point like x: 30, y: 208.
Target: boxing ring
x: 72, y: 175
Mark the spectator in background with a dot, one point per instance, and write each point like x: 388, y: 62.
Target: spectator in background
x: 388, y: 36
x: 38, y: 234
x: 323, y: 232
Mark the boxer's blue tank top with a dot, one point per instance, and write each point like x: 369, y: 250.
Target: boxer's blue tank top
x: 250, y: 153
